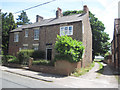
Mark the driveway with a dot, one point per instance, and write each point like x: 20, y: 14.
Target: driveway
x: 92, y: 79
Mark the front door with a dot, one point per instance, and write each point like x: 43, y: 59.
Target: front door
x: 49, y: 54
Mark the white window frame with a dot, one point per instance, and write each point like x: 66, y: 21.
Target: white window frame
x: 16, y: 37
x: 25, y: 45
x: 26, y: 32
x: 36, y: 35
x: 65, y: 30
x: 36, y: 45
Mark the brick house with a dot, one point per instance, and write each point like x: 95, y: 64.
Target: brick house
x: 42, y: 34
x: 115, y: 45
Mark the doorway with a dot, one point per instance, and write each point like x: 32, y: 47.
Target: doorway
x: 48, y: 53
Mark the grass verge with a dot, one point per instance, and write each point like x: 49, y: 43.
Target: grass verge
x: 82, y: 71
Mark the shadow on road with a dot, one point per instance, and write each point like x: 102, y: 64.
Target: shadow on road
x: 106, y: 70
x: 52, y: 75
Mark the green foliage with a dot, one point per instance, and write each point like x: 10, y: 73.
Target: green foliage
x: 100, y: 38
x: 6, y: 58
x: 82, y: 71
x: 67, y: 46
x: 8, y: 24
x: 24, y: 55
x: 22, y: 19
x: 13, y: 60
x: 38, y: 54
x: 107, y: 55
x: 63, y: 57
x: 43, y: 62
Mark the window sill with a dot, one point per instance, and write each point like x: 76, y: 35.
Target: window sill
x: 36, y: 39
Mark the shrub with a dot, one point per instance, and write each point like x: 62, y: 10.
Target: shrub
x: 38, y: 54
x: 43, y: 62
x: 23, y: 56
x: 63, y: 57
x: 13, y: 60
x: 107, y: 55
x: 5, y: 58
x: 67, y: 46
x: 28, y: 52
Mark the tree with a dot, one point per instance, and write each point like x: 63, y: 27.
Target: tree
x: 22, y: 19
x: 8, y: 24
x: 100, y: 38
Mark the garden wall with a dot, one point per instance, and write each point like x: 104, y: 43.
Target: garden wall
x: 61, y: 67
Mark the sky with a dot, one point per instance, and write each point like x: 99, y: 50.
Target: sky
x: 105, y: 10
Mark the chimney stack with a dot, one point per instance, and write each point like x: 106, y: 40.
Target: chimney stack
x: 59, y: 13
x: 85, y: 9
x: 39, y: 18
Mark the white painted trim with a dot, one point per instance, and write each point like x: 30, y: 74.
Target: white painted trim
x: 68, y: 29
x: 35, y: 44
x: 25, y: 44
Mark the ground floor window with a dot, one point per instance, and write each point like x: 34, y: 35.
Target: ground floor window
x: 25, y: 46
x: 35, y: 46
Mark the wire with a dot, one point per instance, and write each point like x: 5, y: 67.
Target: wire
x: 35, y: 6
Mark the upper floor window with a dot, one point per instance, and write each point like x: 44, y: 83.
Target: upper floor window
x: 36, y: 34
x: 66, y: 30
x: 26, y: 33
x: 16, y: 36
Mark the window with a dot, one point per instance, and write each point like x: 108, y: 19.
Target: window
x: 66, y: 30
x: 25, y: 46
x: 35, y: 46
x: 36, y: 34
x: 16, y: 37
x: 26, y: 33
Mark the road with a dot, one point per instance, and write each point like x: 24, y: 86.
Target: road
x: 10, y: 80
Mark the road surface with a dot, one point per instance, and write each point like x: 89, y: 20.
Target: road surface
x: 10, y: 80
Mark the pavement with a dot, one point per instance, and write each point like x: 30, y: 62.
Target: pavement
x: 92, y: 79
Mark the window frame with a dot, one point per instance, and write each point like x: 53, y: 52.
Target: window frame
x: 66, y: 30
x: 16, y: 37
x: 26, y: 34
x: 36, y: 29
x: 34, y: 45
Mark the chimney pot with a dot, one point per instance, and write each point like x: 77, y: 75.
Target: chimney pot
x: 85, y: 9
x: 39, y: 18
x: 59, y: 13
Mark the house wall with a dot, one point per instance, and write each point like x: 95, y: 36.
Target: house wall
x: 14, y: 46
x: 116, y: 45
x: 87, y: 41
x: 47, y: 37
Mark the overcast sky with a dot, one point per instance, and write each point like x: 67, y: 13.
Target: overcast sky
x: 105, y: 10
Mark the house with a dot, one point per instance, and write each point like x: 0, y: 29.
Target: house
x: 115, y: 45
x: 42, y: 34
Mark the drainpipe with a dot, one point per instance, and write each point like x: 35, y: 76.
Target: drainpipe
x: 118, y: 51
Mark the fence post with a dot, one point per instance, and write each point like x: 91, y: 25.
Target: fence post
x: 30, y: 61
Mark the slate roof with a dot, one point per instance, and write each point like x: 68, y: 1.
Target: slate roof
x: 52, y: 21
